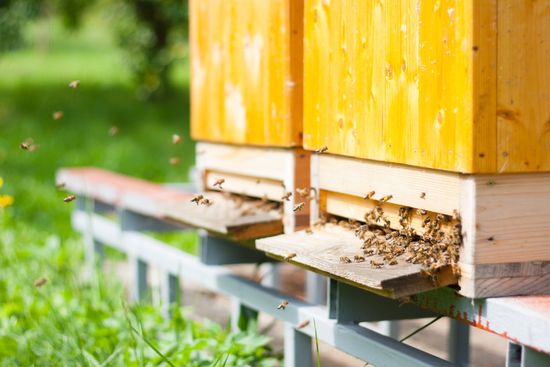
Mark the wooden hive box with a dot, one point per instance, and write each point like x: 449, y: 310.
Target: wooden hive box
x: 441, y: 106
x: 246, y: 100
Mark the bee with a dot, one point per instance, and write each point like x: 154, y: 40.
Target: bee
x: 358, y: 258
x: 303, y: 324
x: 60, y: 185
x: 174, y: 161
x: 197, y: 199
x: 369, y: 195
x: 456, y: 215
x: 40, y: 282
x: 205, y: 202
x: 219, y: 182
x: 286, y: 196
x: 322, y: 150
x: 113, y: 131
x: 345, y: 259
x: 298, y: 207
x: 386, y: 198
x: 426, y: 222
x: 303, y: 192
x: 24, y: 146
x: 74, y: 84
x: 289, y: 256
x: 69, y: 198
x: 376, y: 264
x: 176, y: 139
x: 57, y: 115
x: 422, y: 195
x: 282, y: 305
x: 421, y: 211
x: 309, y: 231
x: 392, y: 262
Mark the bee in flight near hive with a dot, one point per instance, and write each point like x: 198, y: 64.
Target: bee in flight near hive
x: 422, y: 195
x: 197, y: 199
x: 40, y: 282
x: 74, y: 84
x: 303, y: 324
x: 57, y: 115
x: 219, y: 182
x: 369, y: 195
x: 286, y: 196
x: 298, y: 207
x: 176, y: 139
x: 174, y: 161
x: 60, y: 185
x: 282, y: 305
x: 322, y: 150
x: 113, y: 131
x: 69, y: 198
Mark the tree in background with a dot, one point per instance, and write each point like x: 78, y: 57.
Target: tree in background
x: 151, y: 32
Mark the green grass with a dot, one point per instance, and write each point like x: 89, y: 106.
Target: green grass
x: 73, y: 321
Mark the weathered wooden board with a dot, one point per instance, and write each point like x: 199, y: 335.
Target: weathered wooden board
x: 321, y: 250
x: 431, y: 83
x: 246, y: 68
x: 223, y: 217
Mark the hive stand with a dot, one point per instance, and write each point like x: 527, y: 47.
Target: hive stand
x: 506, y: 240
x: 524, y: 320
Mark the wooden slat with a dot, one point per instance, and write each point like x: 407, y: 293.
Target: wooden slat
x: 246, y: 185
x: 250, y: 161
x: 523, y: 93
x: 225, y: 217
x: 405, y: 183
x: 321, y: 252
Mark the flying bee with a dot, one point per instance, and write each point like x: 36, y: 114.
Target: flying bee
x: 298, y: 207
x: 369, y: 195
x: 309, y: 231
x: 345, y: 259
x: 40, y: 282
x: 113, y: 130
x: 176, y: 139
x: 421, y: 211
x: 74, y: 84
x: 322, y: 150
x: 219, y: 182
x: 24, y: 146
x: 358, y: 258
x: 303, y: 192
x: 197, y: 199
x: 205, y: 202
x: 376, y: 264
x: 57, y: 115
x: 303, y: 324
x: 290, y: 256
x: 174, y: 161
x: 60, y: 185
x: 386, y: 198
x: 422, y: 195
x: 286, y: 196
x: 69, y: 198
x: 282, y: 305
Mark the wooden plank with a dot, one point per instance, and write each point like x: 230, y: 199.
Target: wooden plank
x: 405, y: 183
x: 511, y: 218
x: 321, y: 252
x: 523, y: 94
x: 246, y: 59
x: 226, y: 217
x: 390, y: 81
x: 246, y: 185
x: 256, y: 162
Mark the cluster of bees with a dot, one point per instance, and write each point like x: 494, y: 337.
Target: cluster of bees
x: 437, y: 246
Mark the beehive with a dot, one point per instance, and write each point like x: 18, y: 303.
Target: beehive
x: 246, y: 65
x: 459, y: 85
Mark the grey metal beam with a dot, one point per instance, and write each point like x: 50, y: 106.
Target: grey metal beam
x: 459, y: 343
x: 221, y: 251
x: 298, y: 348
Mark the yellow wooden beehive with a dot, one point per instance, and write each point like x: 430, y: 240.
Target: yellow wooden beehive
x: 246, y: 65
x: 459, y: 85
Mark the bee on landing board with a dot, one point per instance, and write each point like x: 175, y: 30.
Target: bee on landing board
x: 197, y: 199
x: 369, y: 195
x: 322, y: 150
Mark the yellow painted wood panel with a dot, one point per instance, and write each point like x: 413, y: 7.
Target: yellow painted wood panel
x: 246, y: 65
x: 389, y: 80
x: 523, y: 85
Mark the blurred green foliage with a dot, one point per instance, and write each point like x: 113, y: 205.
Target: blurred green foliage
x: 152, y: 33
